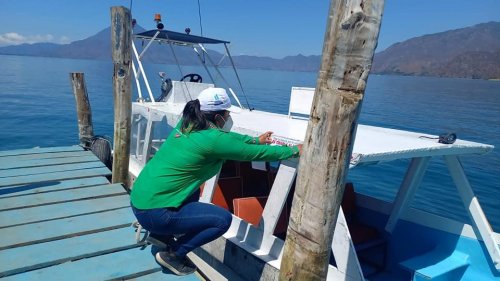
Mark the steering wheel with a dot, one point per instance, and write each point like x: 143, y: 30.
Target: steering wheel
x: 193, y: 77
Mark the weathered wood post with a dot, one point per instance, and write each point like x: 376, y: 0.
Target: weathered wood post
x: 83, y: 111
x: 121, y: 40
x: 350, y: 40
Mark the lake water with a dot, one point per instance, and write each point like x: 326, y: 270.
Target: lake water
x: 38, y: 109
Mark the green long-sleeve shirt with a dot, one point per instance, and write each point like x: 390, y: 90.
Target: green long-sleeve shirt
x: 186, y: 160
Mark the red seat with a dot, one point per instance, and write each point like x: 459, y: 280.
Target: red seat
x: 250, y: 209
x: 225, y: 191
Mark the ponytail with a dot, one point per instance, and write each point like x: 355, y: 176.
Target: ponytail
x: 193, y: 118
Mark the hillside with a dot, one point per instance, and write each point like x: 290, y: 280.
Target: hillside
x: 471, y: 52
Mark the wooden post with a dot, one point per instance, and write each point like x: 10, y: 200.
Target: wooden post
x: 350, y: 40
x: 83, y: 111
x: 121, y: 40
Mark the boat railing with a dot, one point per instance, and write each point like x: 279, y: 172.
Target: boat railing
x: 194, y: 42
x: 149, y: 130
x: 138, y: 73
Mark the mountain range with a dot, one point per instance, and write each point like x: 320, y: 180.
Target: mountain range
x: 470, y: 52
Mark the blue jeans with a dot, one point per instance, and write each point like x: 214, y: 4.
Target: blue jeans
x: 199, y: 223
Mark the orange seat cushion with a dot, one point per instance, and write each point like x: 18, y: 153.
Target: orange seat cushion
x: 225, y: 191
x: 250, y: 209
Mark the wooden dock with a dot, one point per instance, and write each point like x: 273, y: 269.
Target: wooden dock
x: 61, y: 219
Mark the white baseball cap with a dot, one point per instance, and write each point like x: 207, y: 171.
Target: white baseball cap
x: 216, y: 99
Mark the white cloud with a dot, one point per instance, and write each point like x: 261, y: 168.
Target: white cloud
x: 13, y: 38
x: 64, y: 40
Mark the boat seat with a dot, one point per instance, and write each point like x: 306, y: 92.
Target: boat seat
x: 225, y: 191
x: 364, y: 237
x: 250, y: 209
x: 301, y: 99
x: 238, y: 180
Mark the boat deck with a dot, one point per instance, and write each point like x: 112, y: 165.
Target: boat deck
x: 61, y: 219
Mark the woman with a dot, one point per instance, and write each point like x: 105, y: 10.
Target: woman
x: 165, y: 195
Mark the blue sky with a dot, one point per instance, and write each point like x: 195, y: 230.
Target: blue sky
x: 255, y: 27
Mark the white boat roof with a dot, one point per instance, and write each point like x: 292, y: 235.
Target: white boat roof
x: 372, y: 144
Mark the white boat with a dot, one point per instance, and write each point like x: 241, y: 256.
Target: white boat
x: 373, y: 239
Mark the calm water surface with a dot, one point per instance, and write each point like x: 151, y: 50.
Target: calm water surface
x: 38, y: 109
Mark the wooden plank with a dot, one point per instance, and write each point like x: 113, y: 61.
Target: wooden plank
x: 111, y: 266
x: 47, y: 155
x: 49, y: 169
x: 61, y: 196
x: 39, y: 187
x: 35, y: 256
x: 36, y: 150
x: 56, y: 229
x: 76, y: 174
x: 63, y: 210
x: 16, y: 164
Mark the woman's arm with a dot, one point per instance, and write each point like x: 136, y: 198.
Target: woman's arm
x: 244, y: 138
x: 265, y: 138
x: 229, y: 147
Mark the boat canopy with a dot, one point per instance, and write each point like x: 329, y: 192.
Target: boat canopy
x: 372, y: 144
x: 177, y: 37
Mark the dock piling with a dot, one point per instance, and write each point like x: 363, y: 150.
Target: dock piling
x: 83, y: 110
x: 350, y: 40
x: 121, y: 40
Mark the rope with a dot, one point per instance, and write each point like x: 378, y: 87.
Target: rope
x: 138, y: 231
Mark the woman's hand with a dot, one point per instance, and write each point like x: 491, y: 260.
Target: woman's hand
x: 299, y: 146
x: 265, y: 138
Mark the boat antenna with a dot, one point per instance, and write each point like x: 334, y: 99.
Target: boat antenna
x: 199, y: 16
x: 201, y: 27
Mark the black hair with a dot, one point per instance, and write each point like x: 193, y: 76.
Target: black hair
x: 193, y: 119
